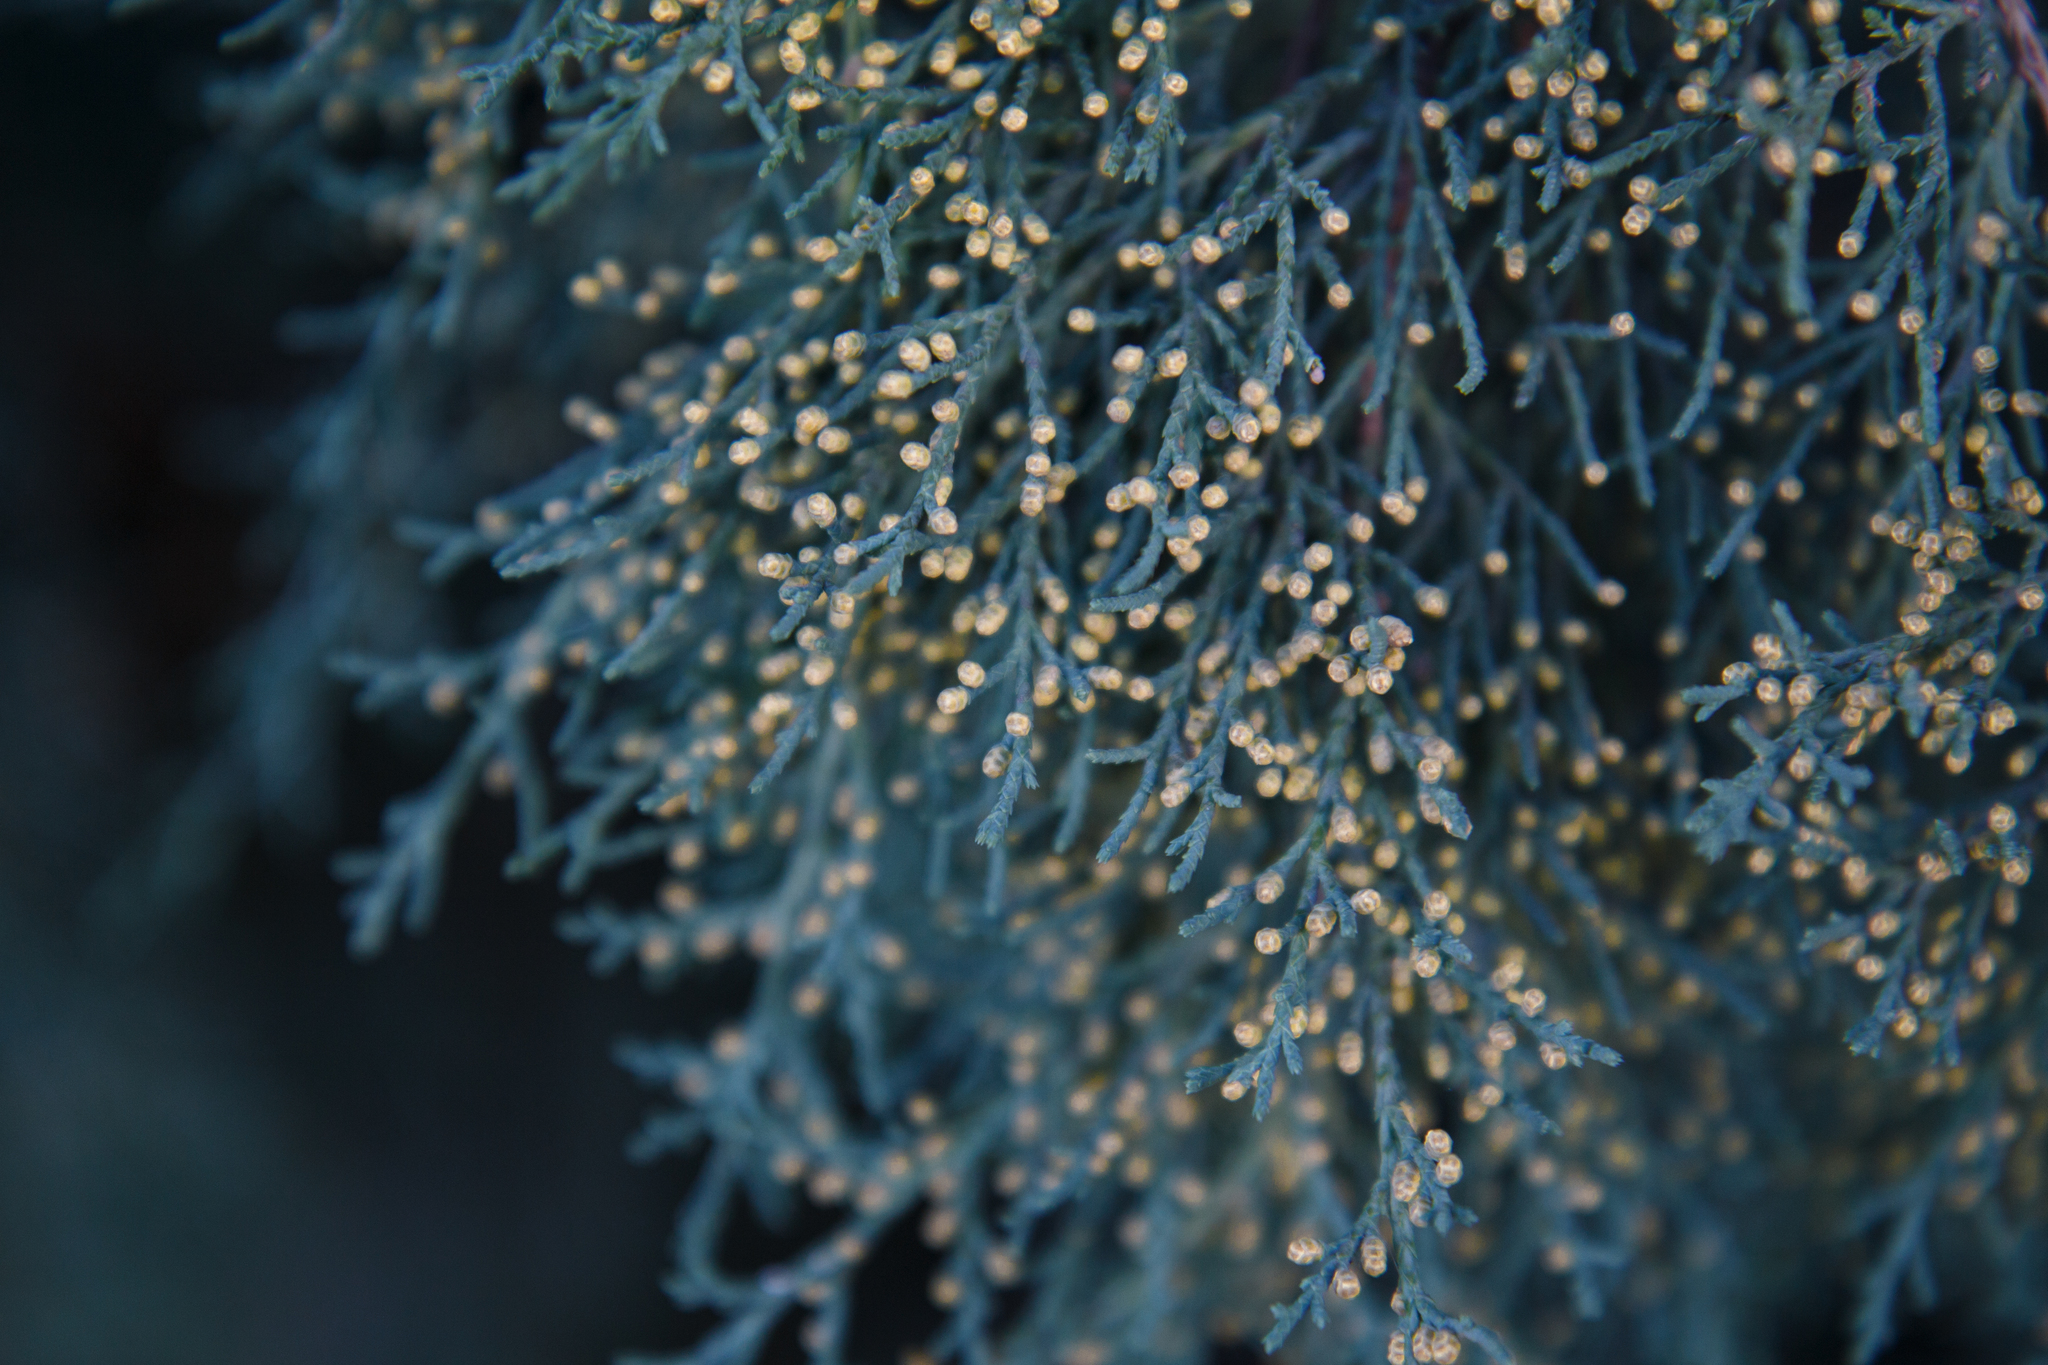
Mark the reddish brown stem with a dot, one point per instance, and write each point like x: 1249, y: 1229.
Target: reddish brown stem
x: 2027, y: 55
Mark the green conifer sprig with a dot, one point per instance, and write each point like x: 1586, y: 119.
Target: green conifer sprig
x: 1150, y: 562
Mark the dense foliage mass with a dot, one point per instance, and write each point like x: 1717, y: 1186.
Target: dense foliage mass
x: 1308, y: 655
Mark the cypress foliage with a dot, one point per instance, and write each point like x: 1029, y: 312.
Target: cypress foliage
x: 1376, y: 658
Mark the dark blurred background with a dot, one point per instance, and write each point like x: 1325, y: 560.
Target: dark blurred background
x: 221, y: 1140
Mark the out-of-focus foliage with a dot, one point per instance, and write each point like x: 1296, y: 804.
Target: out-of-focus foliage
x: 1192, y: 610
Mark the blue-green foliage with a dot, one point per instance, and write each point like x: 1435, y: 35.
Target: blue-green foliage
x: 1354, y: 559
